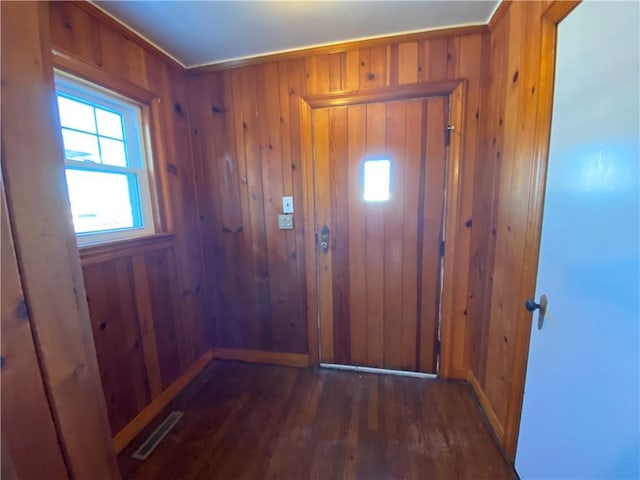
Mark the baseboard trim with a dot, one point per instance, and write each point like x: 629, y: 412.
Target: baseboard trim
x: 494, y: 422
x: 135, y: 426
x: 262, y: 356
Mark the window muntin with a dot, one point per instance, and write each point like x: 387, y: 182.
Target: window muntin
x: 377, y: 179
x: 106, y: 172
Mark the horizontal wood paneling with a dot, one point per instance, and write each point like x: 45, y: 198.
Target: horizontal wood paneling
x: 146, y: 301
x: 247, y: 151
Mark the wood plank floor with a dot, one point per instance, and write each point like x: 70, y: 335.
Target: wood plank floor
x: 249, y: 421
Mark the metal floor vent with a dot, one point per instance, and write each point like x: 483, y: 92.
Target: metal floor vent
x: 156, y: 437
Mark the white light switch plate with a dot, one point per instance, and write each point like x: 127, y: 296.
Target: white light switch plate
x: 287, y: 204
x: 285, y: 222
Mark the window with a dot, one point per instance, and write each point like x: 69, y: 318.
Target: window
x: 376, y: 180
x: 105, y: 165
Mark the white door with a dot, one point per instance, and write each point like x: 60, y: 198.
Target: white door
x: 580, y: 416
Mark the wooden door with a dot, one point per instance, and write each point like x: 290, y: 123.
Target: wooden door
x: 379, y: 278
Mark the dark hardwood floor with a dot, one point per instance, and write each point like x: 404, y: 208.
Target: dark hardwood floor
x: 249, y: 421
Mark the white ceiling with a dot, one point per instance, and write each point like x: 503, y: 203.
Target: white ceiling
x: 207, y: 32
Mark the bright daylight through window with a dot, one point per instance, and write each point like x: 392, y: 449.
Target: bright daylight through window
x: 376, y: 180
x: 104, y: 161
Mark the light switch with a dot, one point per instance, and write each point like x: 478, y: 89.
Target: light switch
x: 287, y: 204
x: 285, y: 221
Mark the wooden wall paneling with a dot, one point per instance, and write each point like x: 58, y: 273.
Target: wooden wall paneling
x: 296, y: 88
x: 414, y: 159
x: 247, y: 335
x: 220, y: 204
x: 501, y: 326
x: 318, y: 72
x: 466, y: 127
x: 434, y: 59
x: 483, y: 233
x: 434, y: 157
x: 504, y: 259
x: 339, y: 186
x: 322, y: 191
x: 230, y: 198
x: 25, y: 407
x: 283, y: 294
x: 374, y: 227
x: 208, y: 205
x: 373, y: 67
x: 452, y: 271
x: 291, y: 168
x: 396, y: 126
x: 127, y: 392
x: 161, y: 281
x: 188, y: 250
x: 338, y: 72
x: 34, y: 176
x: 408, y: 64
x: 246, y: 102
x: 391, y: 68
x: 337, y: 64
x: 357, y: 234
x: 341, y: 47
x: 311, y: 240
x: 351, y: 71
x: 147, y: 328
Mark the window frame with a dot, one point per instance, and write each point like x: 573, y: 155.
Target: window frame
x: 137, y: 145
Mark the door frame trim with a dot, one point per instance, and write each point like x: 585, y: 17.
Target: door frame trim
x: 456, y: 91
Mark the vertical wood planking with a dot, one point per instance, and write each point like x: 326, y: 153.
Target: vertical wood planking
x: 432, y: 231
x: 273, y: 188
x: 357, y: 264
x: 160, y: 289
x: 394, y: 234
x: 321, y: 145
x: 296, y: 80
x: 127, y: 392
x: 245, y: 100
x: 147, y: 328
x: 408, y: 63
x: 469, y: 66
x: 373, y: 67
x: 434, y: 59
x: 292, y: 262
x: 506, y: 237
x: 339, y: 241
x: 374, y: 218
x: 403, y: 63
x: 411, y: 221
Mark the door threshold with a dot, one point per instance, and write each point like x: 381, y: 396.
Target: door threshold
x: 384, y: 371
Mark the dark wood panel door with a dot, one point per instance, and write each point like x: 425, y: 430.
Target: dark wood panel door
x: 379, y: 180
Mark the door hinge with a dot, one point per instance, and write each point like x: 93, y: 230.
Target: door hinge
x: 447, y: 134
x: 442, y: 248
x: 436, y: 347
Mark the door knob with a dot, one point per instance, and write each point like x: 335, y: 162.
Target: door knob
x: 532, y: 306
x: 324, y: 239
